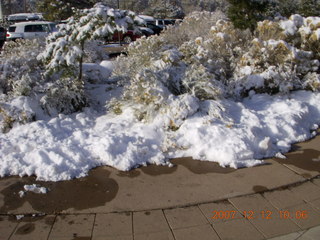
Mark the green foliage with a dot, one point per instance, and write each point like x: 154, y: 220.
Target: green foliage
x: 246, y: 13
x: 287, y: 8
x: 309, y: 8
x: 56, y: 10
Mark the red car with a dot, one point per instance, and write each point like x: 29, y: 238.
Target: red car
x: 131, y: 35
x: 126, y: 38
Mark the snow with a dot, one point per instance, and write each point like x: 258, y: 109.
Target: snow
x: 317, y: 34
x: 235, y: 133
x: 35, y: 188
x: 18, y: 217
x: 68, y: 146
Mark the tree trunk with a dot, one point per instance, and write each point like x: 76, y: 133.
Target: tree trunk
x: 80, y: 82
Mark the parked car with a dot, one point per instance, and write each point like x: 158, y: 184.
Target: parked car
x: 130, y: 35
x: 162, y: 23
x: 146, y: 31
x: 156, y: 29
x: 126, y: 38
x: 30, y: 30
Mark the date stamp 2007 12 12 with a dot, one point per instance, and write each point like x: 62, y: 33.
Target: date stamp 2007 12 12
x: 265, y: 214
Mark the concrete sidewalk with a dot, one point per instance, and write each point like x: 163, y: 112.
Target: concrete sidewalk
x: 193, y: 200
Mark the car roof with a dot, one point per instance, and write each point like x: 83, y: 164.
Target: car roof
x: 31, y: 22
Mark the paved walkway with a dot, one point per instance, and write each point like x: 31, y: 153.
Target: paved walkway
x: 193, y: 200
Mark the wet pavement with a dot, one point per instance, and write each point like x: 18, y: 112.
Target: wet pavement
x: 179, y: 202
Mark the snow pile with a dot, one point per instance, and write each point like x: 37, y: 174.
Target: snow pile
x: 231, y: 133
x: 33, y: 188
x: 225, y: 96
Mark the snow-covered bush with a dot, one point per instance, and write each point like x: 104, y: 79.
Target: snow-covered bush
x: 20, y: 70
x: 94, y: 52
x: 62, y: 99
x: 194, y: 25
x: 160, y: 66
x: 13, y: 112
x: 21, y: 74
x: 221, y: 62
x: 284, y: 57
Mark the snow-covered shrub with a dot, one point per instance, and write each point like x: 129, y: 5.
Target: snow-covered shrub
x: 20, y: 70
x: 21, y: 74
x: 12, y: 114
x: 300, y: 32
x: 269, y: 30
x: 194, y: 25
x: 284, y: 57
x: 222, y: 62
x: 61, y: 99
x: 94, y: 52
x: 157, y: 68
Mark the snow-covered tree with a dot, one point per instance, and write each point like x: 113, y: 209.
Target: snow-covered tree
x: 65, y: 49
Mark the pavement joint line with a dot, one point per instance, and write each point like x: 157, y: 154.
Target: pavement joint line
x: 303, y: 233
x: 257, y: 229
x: 280, y: 209
x: 203, y: 213
x: 55, y: 218
x: 94, y: 221
x: 211, y: 225
x: 15, y: 228
x: 296, y: 172
x: 132, y: 226
x: 239, y: 210
x: 171, y: 230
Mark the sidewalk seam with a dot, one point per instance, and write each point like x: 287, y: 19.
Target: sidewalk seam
x: 94, y: 221
x: 265, y: 237
x: 211, y: 224
x: 55, y: 218
x: 171, y: 230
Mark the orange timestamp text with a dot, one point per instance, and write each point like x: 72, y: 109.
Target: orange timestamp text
x: 265, y: 214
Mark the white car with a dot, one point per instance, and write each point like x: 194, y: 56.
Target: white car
x: 30, y: 30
